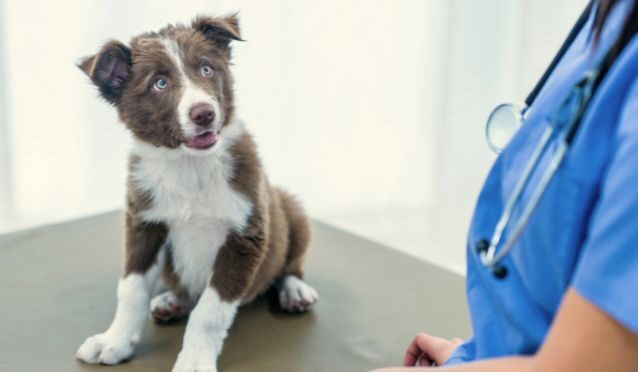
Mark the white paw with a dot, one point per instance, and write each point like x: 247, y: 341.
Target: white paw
x: 168, y: 306
x: 295, y: 295
x: 106, y: 349
x: 199, y: 360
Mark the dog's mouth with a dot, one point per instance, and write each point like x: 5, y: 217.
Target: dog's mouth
x: 202, y: 141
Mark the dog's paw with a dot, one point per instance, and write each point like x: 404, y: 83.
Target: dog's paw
x: 295, y: 295
x: 104, y: 348
x: 167, y: 307
x: 199, y: 360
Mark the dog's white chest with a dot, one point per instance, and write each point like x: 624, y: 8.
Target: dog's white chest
x: 194, y: 247
x: 193, y: 197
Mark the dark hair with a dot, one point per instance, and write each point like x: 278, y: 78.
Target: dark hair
x: 629, y: 28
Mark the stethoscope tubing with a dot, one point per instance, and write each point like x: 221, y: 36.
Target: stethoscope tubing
x: 488, y: 258
x: 521, y: 223
x: 573, y: 34
x: 584, y: 89
x: 487, y: 249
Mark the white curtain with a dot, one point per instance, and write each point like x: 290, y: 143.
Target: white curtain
x: 371, y: 111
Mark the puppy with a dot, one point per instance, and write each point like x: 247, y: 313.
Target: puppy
x: 200, y: 212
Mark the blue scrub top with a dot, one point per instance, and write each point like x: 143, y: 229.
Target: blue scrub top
x: 584, y: 232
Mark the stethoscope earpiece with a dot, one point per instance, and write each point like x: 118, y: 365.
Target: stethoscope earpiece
x: 499, y: 271
x: 482, y: 246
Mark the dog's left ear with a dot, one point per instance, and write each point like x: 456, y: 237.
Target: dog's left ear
x: 220, y: 31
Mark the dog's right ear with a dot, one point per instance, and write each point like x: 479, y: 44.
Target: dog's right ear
x: 109, y: 70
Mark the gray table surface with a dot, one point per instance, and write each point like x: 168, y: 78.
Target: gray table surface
x: 57, y: 286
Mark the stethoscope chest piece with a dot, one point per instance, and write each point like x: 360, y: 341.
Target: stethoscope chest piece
x: 502, y: 124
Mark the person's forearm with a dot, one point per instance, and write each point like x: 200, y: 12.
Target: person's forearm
x: 519, y: 364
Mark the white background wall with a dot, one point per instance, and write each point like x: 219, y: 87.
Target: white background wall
x: 371, y: 111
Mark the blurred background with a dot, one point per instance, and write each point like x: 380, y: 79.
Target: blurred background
x: 371, y: 111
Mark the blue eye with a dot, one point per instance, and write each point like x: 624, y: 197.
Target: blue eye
x: 206, y: 70
x: 160, y: 84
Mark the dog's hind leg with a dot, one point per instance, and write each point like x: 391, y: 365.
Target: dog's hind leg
x: 174, y: 303
x: 295, y: 295
x: 298, y: 235
x: 170, y: 306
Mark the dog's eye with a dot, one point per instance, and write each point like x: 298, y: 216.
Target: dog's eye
x: 160, y: 84
x: 206, y: 70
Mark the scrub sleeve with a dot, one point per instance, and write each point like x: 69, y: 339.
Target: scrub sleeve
x: 463, y: 353
x: 607, y: 269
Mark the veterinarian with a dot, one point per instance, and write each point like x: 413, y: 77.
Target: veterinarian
x: 552, y: 266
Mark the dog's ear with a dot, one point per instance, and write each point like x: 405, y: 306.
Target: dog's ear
x: 220, y: 31
x: 109, y: 69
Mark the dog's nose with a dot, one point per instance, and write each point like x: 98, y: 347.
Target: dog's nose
x: 202, y: 114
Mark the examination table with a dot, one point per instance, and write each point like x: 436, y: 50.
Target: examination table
x: 57, y: 287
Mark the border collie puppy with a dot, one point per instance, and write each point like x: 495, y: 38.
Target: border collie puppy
x: 200, y: 211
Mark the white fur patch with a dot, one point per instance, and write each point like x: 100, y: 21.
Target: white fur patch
x: 195, y: 246
x: 192, y: 195
x: 295, y: 295
x: 205, y: 333
x: 191, y: 93
x: 118, y: 342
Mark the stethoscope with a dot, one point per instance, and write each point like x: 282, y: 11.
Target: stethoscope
x: 501, y: 125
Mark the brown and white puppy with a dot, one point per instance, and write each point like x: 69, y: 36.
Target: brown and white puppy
x: 200, y: 211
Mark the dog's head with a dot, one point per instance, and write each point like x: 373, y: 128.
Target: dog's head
x: 172, y: 88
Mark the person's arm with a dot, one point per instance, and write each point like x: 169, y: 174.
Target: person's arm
x: 582, y: 338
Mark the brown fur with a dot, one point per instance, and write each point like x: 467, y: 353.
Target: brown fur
x: 277, y: 234
x: 248, y: 263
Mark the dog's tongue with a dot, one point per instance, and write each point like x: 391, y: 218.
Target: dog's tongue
x: 203, y: 141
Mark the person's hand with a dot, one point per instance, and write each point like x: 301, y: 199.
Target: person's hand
x: 426, y: 350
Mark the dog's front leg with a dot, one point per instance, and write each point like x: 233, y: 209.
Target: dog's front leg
x: 144, y: 259
x: 235, y: 268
